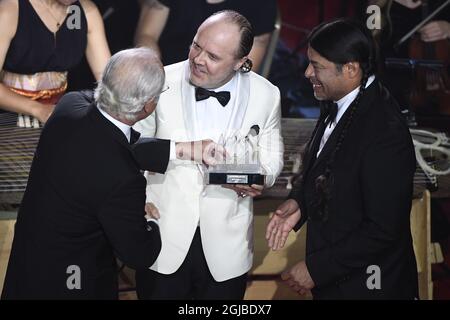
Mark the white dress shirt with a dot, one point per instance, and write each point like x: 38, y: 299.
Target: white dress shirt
x: 212, y: 119
x: 343, y: 105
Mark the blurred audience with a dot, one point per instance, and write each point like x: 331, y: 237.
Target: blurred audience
x: 168, y: 26
x: 404, y: 15
x: 120, y: 19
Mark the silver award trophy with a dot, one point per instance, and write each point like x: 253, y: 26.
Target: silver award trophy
x: 241, y: 165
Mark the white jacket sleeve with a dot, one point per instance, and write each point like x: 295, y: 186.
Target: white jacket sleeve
x: 271, y: 146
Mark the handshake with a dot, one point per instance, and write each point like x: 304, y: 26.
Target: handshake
x: 204, y: 151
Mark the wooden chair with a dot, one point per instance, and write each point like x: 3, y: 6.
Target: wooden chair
x: 6, y: 238
x: 427, y: 253
x: 265, y: 281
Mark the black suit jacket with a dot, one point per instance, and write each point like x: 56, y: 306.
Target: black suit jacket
x: 83, y: 207
x: 369, y: 210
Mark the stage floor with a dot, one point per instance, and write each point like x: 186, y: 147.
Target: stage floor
x: 264, y: 281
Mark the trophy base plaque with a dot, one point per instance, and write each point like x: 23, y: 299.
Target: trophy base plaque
x: 235, y: 174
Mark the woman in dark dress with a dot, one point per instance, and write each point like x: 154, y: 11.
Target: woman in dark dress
x: 39, y: 43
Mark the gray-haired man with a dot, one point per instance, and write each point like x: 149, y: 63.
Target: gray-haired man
x: 84, y: 203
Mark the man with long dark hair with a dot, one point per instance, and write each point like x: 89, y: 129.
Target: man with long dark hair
x: 355, y: 188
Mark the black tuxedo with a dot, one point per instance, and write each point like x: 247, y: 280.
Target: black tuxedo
x: 368, y: 222
x: 83, y: 207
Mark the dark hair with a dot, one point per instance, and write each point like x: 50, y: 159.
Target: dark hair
x: 246, y: 31
x: 340, y: 42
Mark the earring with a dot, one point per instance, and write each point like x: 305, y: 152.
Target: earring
x: 246, y: 66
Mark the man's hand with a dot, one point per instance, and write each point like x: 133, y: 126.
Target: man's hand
x: 435, y: 31
x: 298, y: 278
x: 244, y: 190
x: 281, y: 223
x: 151, y: 210
x: 411, y: 4
x: 204, y: 151
x: 212, y: 153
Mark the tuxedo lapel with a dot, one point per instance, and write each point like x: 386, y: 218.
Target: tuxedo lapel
x: 242, y: 95
x: 330, y: 145
x: 107, y: 126
x: 332, y: 140
x: 313, y: 145
x: 188, y: 103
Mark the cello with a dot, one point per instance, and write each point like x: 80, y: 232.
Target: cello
x: 431, y: 84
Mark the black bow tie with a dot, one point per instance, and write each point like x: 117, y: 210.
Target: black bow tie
x: 134, y: 136
x: 223, y: 96
x: 328, y: 112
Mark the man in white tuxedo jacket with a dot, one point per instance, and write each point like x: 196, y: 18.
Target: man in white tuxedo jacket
x: 207, y: 230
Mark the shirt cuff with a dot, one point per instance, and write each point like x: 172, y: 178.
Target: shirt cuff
x: 173, y: 151
x: 152, y: 220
